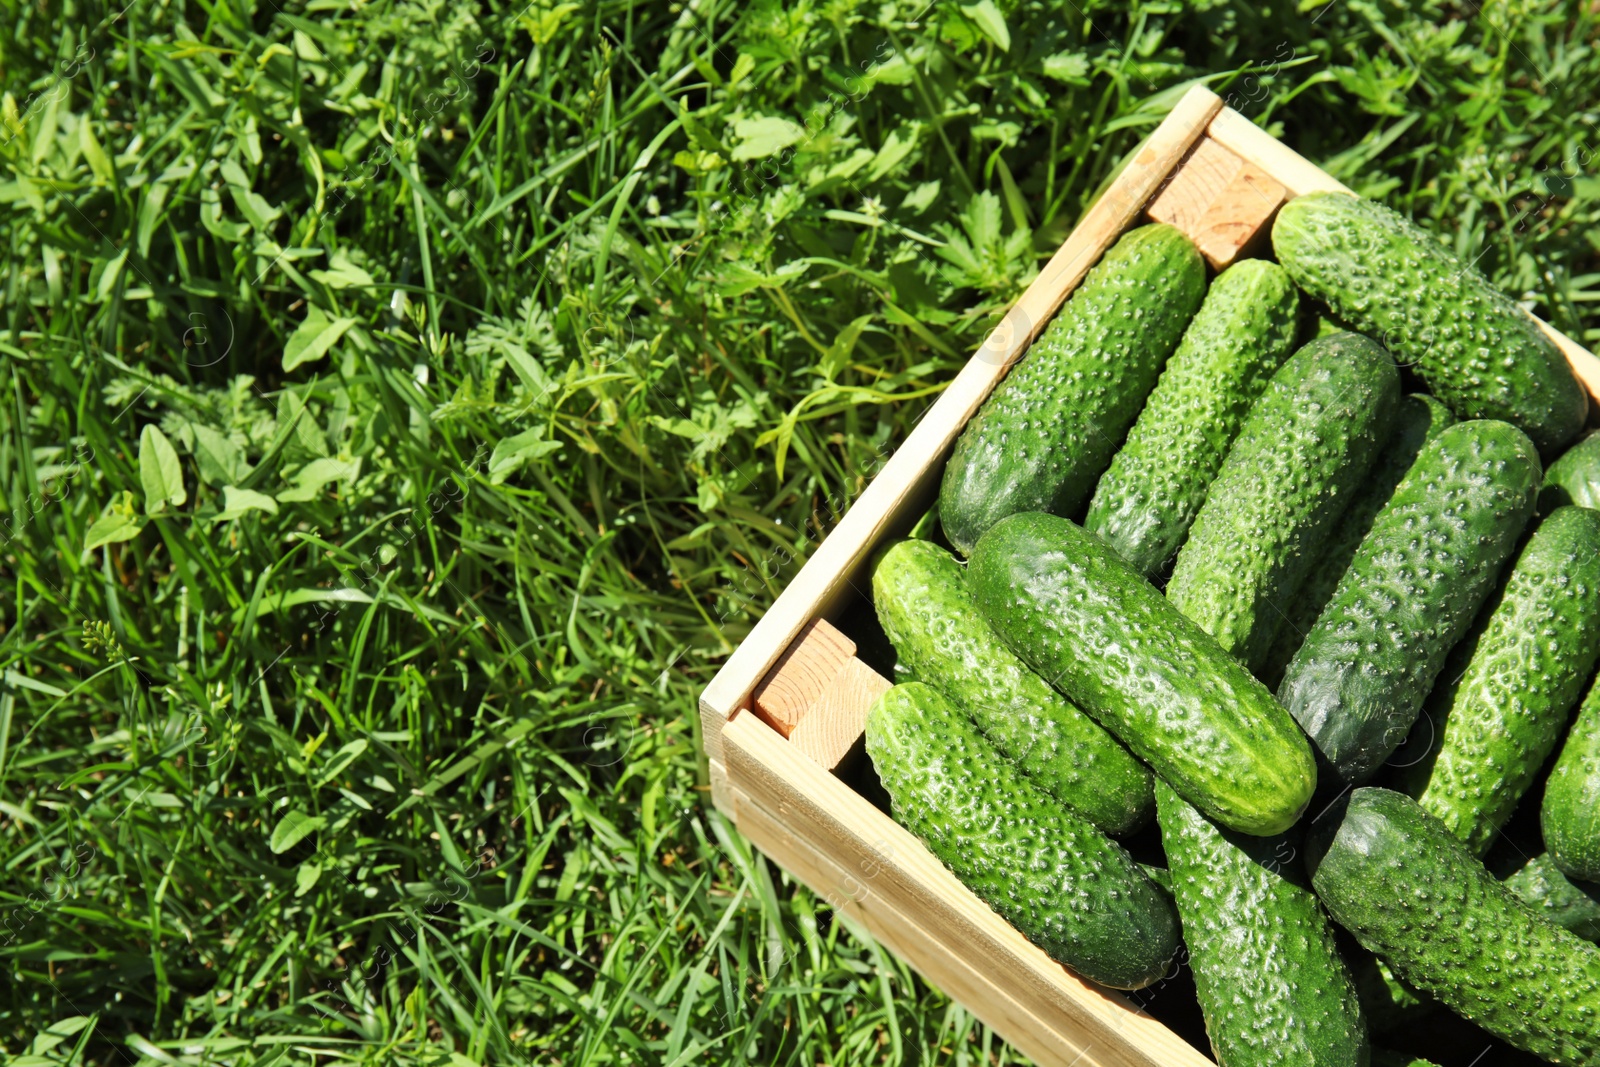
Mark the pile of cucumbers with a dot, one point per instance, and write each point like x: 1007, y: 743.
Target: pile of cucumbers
x: 1276, y: 561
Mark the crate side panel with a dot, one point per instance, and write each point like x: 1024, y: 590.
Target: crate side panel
x: 842, y: 825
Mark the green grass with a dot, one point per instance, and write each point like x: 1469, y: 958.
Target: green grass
x: 507, y: 360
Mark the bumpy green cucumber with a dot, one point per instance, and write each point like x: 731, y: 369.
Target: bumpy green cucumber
x: 1272, y: 985
x: 1241, y: 335
x: 1050, y: 429
x: 1419, y: 420
x: 920, y: 593
x: 1432, y: 557
x: 1409, y: 890
x: 1478, y: 351
x: 1074, y: 611
x: 1304, y: 448
x: 1574, y: 478
x: 1070, y: 889
x: 1510, y: 687
x: 1543, y: 887
x: 1570, y: 815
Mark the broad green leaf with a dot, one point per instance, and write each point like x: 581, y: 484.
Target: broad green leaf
x: 55, y: 1034
x: 306, y: 440
x: 306, y: 877
x: 310, y: 479
x: 312, y: 339
x: 343, y: 274
x: 160, y: 473
x: 986, y: 16
x: 118, y: 524
x: 896, y: 147
x: 1069, y: 67
x: 237, y: 501
x: 512, y: 452
x: 759, y: 138
x: 218, y: 458
x: 294, y: 827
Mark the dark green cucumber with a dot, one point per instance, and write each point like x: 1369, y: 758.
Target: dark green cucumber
x: 1570, y: 814
x: 1304, y: 448
x: 1432, y: 557
x: 1050, y: 429
x: 1241, y: 335
x: 1574, y: 478
x: 1272, y: 985
x: 1066, y: 886
x: 1409, y: 890
x: 1074, y: 611
x: 1542, y: 886
x: 1419, y: 420
x: 1478, y: 351
x: 1510, y: 687
x: 920, y: 593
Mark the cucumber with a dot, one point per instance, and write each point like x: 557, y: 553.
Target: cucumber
x: 1271, y: 983
x: 1411, y: 892
x: 1475, y: 348
x: 1304, y: 448
x: 1050, y: 429
x: 920, y: 593
x: 1066, y: 886
x: 1432, y: 557
x: 1574, y: 478
x: 1074, y: 611
x: 1543, y: 887
x: 1243, y: 332
x: 1570, y: 814
x: 1419, y: 420
x: 1510, y: 687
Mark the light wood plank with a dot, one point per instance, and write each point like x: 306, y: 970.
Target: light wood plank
x: 821, y: 810
x: 850, y: 892
x: 1219, y: 201
x: 910, y: 475
x: 801, y: 675
x: 832, y: 727
x: 1254, y: 145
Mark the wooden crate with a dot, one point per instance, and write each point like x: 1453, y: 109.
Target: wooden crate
x: 789, y: 705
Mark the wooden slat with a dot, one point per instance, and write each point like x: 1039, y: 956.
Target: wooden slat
x: 1254, y: 145
x: 850, y: 893
x: 832, y: 727
x: 817, y: 808
x: 910, y: 474
x: 801, y: 675
x: 1219, y: 201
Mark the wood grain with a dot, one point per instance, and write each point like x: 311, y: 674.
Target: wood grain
x: 801, y: 675
x: 1218, y: 200
x: 818, y: 809
x: 832, y: 727
x: 1256, y: 146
